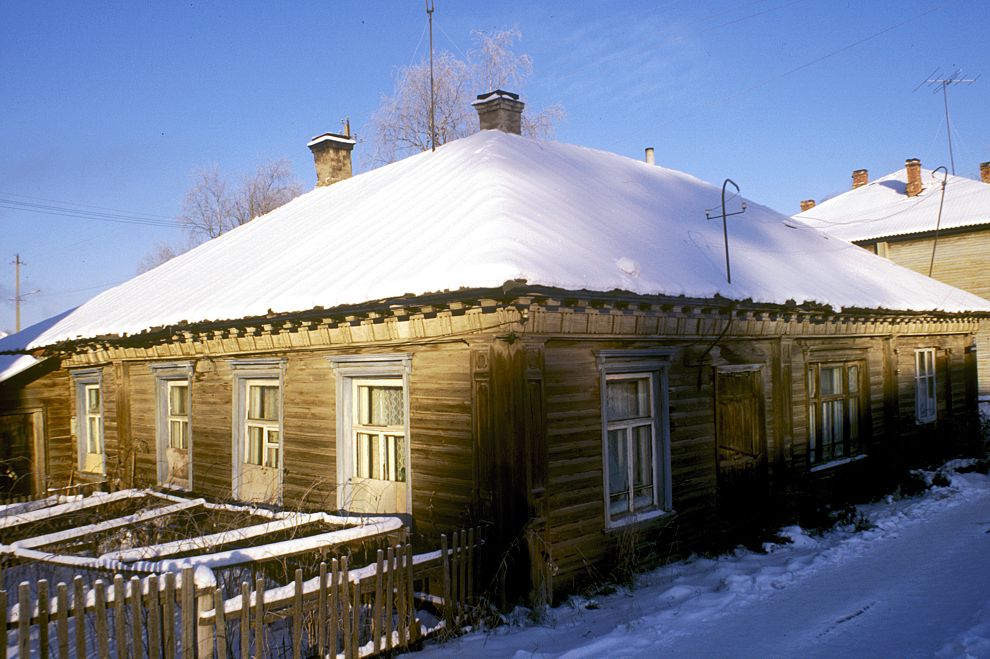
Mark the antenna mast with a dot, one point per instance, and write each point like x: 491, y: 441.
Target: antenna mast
x: 936, y: 81
x: 433, y: 125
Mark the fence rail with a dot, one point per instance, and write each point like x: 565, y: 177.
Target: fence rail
x: 393, y: 603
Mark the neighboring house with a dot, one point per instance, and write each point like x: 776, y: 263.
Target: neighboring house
x: 529, y: 333
x: 33, y: 414
x: 905, y: 217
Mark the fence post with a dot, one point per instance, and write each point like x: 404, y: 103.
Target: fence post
x: 187, y: 591
x: 413, y: 621
x: 119, y: 621
x: 204, y: 633
x: 245, y: 620
x: 61, y: 621
x: 43, y: 605
x: 154, y: 618
x: 260, y: 647
x: 297, y: 616
x: 79, y: 616
x: 3, y: 627
x: 321, y: 612
x: 168, y: 617
x: 221, y: 623
x: 138, y: 646
x: 23, y: 619
x: 100, y: 613
x: 334, y: 606
x: 376, y: 616
x: 448, y: 614
x: 390, y: 595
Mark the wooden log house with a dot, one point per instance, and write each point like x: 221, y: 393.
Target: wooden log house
x: 530, y: 334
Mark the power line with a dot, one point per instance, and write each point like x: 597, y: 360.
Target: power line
x: 80, y: 211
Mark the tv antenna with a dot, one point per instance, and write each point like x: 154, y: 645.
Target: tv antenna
x: 433, y: 125
x: 725, y: 228
x: 938, y: 81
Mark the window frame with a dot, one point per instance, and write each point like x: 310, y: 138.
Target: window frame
x: 851, y: 448
x: 380, y: 432
x: 925, y: 386
x: 267, y: 426
x: 167, y: 375
x: 350, y: 371
x: 271, y: 371
x: 653, y: 366
x: 85, y: 381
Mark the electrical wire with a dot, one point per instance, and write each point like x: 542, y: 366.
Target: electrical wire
x: 80, y: 211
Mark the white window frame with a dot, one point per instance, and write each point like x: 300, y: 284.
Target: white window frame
x: 85, y: 381
x: 387, y: 459
x: 925, y: 386
x: 267, y: 426
x: 168, y: 375
x: 245, y: 371
x: 652, y: 365
x: 351, y: 371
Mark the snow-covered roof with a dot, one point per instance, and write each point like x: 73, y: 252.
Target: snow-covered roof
x: 495, y: 207
x: 11, y: 363
x: 881, y: 209
x: 331, y: 137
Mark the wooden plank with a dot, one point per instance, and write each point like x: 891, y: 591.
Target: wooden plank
x: 260, y: 646
x: 220, y: 622
x: 135, y: 597
x: 389, y: 595
x: 61, y: 621
x: 43, y: 616
x: 119, y: 618
x: 297, y: 616
x: 321, y: 612
x: 400, y: 590
x: 355, y: 621
x: 23, y: 619
x: 100, y: 614
x: 79, y: 617
x: 448, y: 612
x: 334, y: 606
x: 188, y: 595
x: 471, y: 566
x: 413, y: 623
x: 245, y: 620
x: 154, y: 618
x: 168, y: 617
x: 376, y: 616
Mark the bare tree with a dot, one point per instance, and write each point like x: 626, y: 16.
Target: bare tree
x: 212, y: 206
x: 402, y: 122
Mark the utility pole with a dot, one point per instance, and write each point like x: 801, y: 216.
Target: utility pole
x: 433, y: 125
x: 17, y: 290
x: 936, y: 81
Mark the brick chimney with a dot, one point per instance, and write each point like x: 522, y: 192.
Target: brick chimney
x: 860, y: 178
x: 807, y: 205
x: 500, y: 110
x: 332, y: 156
x: 985, y: 172
x: 913, y: 168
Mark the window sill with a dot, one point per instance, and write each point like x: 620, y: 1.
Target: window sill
x: 638, y: 518
x: 838, y: 463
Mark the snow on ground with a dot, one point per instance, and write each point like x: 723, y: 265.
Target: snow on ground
x: 917, y: 584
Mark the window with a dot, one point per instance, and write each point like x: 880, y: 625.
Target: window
x: 373, y: 467
x: 258, y: 436
x: 925, y: 407
x: 835, y: 411
x: 379, y: 430
x: 634, y: 435
x: 173, y: 387
x: 631, y: 440
x: 178, y: 415
x: 262, y: 428
x: 89, y: 421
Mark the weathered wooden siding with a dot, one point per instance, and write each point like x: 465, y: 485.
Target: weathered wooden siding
x: 45, y: 387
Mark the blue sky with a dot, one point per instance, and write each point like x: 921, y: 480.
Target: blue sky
x: 116, y: 105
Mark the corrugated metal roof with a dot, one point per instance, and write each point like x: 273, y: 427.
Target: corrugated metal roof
x: 881, y: 209
x: 495, y: 207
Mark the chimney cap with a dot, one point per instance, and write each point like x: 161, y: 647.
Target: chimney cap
x: 498, y: 93
x: 331, y: 137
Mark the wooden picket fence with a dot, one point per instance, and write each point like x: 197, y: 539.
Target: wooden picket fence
x: 339, y: 612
